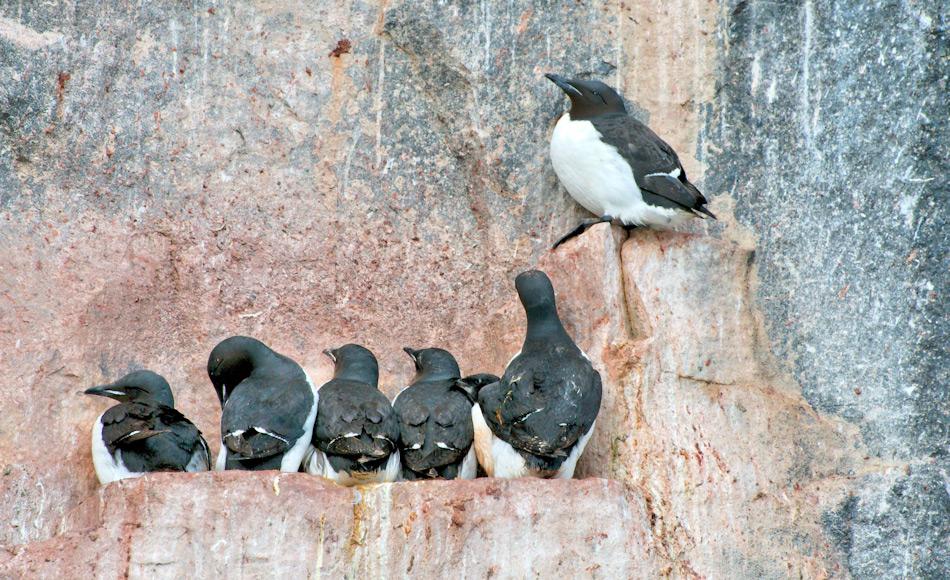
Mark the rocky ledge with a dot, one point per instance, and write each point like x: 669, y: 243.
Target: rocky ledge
x: 242, y: 524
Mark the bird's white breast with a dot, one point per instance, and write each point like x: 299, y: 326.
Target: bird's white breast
x: 222, y: 459
x: 469, y: 468
x: 599, y: 178
x: 109, y: 467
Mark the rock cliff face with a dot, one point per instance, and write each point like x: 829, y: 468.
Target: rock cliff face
x: 775, y: 383
x: 266, y: 525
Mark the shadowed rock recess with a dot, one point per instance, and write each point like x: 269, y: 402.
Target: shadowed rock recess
x: 775, y: 383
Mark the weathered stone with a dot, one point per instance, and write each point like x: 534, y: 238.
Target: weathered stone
x: 911, y: 500
x: 252, y: 525
x: 829, y: 132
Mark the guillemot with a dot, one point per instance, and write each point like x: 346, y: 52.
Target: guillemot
x: 538, y: 418
x: 354, y: 437
x: 144, y: 432
x: 435, y: 420
x: 268, y: 406
x: 615, y: 166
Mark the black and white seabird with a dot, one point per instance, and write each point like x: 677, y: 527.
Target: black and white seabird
x: 268, y: 406
x: 144, y: 432
x: 354, y: 438
x: 538, y: 418
x: 615, y: 166
x: 435, y: 420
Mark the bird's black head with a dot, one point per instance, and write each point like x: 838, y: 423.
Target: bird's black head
x: 354, y: 362
x: 232, y: 361
x: 472, y: 384
x: 433, y: 363
x: 589, y: 99
x: 137, y: 386
x: 535, y: 291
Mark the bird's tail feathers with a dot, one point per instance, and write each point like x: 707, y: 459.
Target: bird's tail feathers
x: 702, y: 210
x: 255, y: 443
x: 700, y: 206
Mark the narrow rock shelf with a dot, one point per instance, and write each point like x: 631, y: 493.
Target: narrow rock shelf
x: 269, y: 524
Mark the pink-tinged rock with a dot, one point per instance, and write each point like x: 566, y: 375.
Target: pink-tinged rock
x: 251, y: 525
x: 692, y: 294
x: 728, y: 454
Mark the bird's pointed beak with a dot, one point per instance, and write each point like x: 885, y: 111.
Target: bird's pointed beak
x: 330, y: 353
x: 563, y: 83
x: 110, y: 390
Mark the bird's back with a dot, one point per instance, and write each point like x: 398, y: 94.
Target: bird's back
x: 436, y: 432
x: 350, y: 407
x: 545, y: 402
x: 277, y: 399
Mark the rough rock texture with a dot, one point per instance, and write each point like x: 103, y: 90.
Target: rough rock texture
x: 831, y: 135
x: 297, y: 526
x: 173, y: 173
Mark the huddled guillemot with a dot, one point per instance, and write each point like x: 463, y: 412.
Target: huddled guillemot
x: 615, y: 166
x: 435, y: 420
x: 268, y: 406
x: 354, y: 437
x: 538, y: 418
x: 144, y: 432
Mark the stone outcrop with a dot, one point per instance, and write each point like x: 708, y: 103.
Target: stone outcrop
x: 256, y: 525
x: 174, y: 173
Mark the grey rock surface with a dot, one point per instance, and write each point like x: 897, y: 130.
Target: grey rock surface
x: 831, y: 134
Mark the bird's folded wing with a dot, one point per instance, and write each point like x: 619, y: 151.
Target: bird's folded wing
x: 262, y: 418
x: 129, y: 423
x: 664, y: 190
x: 139, y: 435
x: 454, y: 416
x: 640, y: 147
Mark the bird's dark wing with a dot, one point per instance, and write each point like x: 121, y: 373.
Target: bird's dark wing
x: 355, y: 420
x: 151, y: 437
x: 638, y: 144
x: 452, y: 418
x: 412, y: 416
x: 656, y: 167
x: 265, y: 414
x: 544, y: 403
x: 664, y: 190
x: 436, y: 432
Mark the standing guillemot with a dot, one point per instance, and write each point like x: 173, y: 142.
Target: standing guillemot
x: 435, y: 420
x: 354, y: 438
x: 537, y: 419
x: 615, y: 166
x: 144, y: 432
x: 268, y: 406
